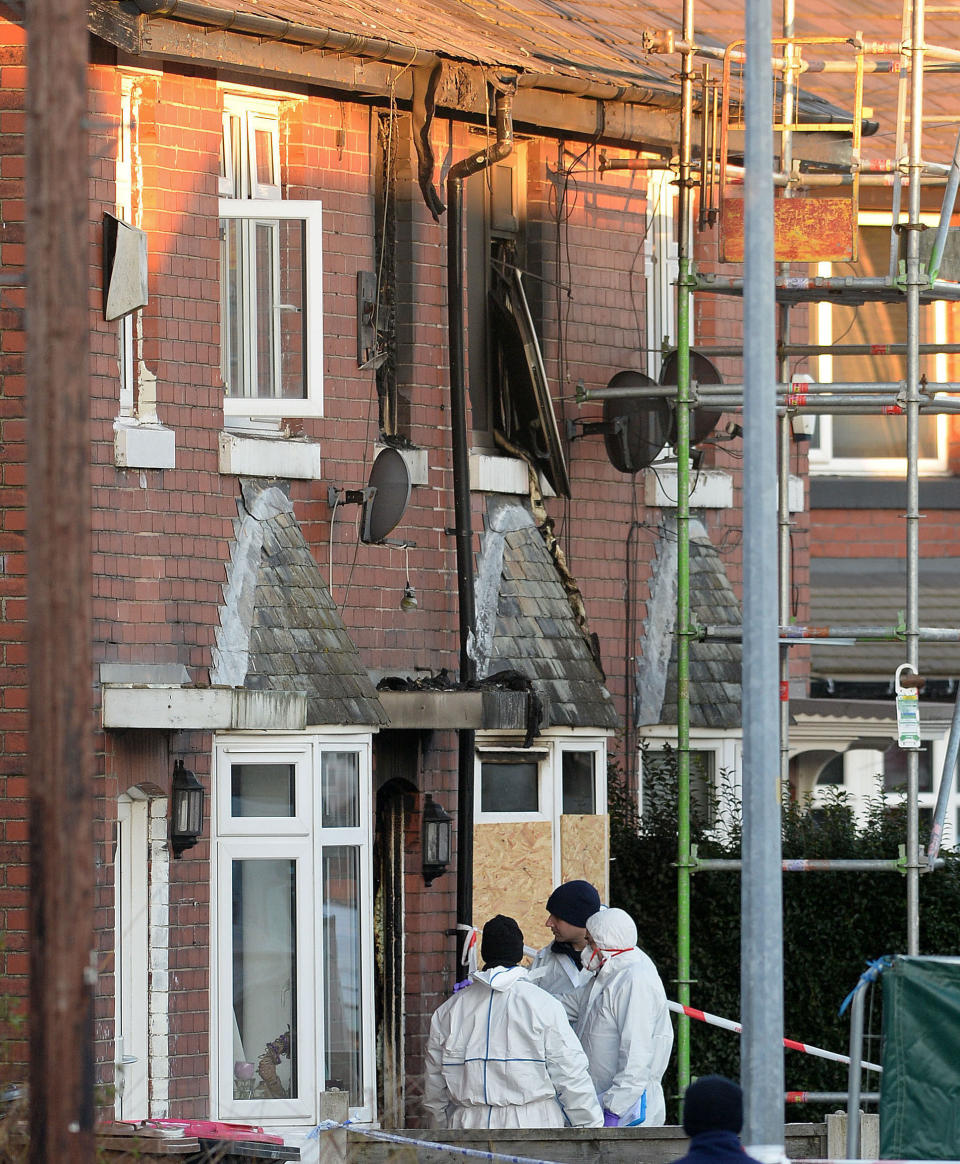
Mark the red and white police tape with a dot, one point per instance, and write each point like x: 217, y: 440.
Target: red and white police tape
x: 728, y: 1025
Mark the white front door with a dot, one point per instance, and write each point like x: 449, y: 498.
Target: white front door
x: 131, y: 970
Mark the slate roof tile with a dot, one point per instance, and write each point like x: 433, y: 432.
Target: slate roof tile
x: 714, y: 667
x: 537, y: 634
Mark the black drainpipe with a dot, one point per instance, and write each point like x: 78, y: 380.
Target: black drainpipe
x: 461, y: 494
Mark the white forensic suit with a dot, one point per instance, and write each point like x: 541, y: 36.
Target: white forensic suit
x: 555, y: 973
x: 623, y: 1023
x: 501, y: 1054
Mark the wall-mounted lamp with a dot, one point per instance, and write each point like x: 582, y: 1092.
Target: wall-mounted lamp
x: 409, y: 599
x: 186, y: 809
x: 437, y: 829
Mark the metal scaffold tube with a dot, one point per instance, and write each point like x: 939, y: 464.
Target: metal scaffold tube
x: 853, y: 633
x: 762, y: 1072
x: 784, y: 425
x: 796, y: 349
x: 812, y: 865
x: 913, y: 282
x: 683, y: 553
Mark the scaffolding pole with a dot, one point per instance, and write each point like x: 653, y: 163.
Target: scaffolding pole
x: 851, y: 633
x: 684, y: 285
x: 762, y: 914
x: 912, y: 518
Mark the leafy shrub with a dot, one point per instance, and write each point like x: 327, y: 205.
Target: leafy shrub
x: 833, y: 923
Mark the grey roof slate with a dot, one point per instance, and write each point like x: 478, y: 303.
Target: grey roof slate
x: 714, y: 668
x: 526, y: 623
x: 872, y: 592
x: 280, y: 629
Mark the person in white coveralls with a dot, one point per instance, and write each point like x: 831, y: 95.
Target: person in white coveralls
x: 556, y: 968
x: 623, y: 1022
x: 501, y: 1053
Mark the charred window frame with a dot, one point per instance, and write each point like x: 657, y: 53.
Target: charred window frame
x: 392, y: 254
x: 509, y: 393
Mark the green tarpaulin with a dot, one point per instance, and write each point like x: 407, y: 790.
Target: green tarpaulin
x: 920, y: 1087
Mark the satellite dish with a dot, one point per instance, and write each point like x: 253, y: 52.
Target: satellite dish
x: 702, y: 420
x: 386, y: 496
x: 636, y: 429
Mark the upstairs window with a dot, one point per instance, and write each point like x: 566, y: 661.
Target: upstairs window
x: 271, y: 274
x: 509, y: 392
x: 875, y: 444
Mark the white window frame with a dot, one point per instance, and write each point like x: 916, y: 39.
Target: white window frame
x: 547, y: 753
x: 863, y: 782
x: 598, y: 748
x: 726, y: 749
x: 250, y: 114
x: 822, y: 460
x: 124, y: 206
x: 661, y: 267
x: 243, y: 197
x: 301, y: 838
x: 311, y: 214
x: 538, y: 755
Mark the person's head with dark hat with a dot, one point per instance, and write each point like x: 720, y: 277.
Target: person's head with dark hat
x: 501, y: 943
x: 713, y: 1104
x: 568, y: 908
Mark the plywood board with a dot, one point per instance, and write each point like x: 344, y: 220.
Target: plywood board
x: 585, y: 851
x: 805, y: 230
x: 513, y: 874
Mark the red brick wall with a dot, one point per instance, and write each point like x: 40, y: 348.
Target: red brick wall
x: 161, y: 539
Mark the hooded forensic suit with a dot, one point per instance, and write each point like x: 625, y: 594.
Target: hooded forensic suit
x: 623, y: 1022
x: 501, y: 1054
x: 557, y: 967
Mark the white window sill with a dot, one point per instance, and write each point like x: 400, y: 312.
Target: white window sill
x: 250, y: 456
x: 490, y: 474
x: 143, y: 446
x: 712, y: 489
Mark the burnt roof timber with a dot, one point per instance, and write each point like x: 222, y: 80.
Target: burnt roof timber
x: 637, y: 117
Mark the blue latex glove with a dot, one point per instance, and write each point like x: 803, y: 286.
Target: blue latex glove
x: 610, y: 1120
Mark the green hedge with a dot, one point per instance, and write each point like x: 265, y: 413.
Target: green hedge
x: 833, y: 923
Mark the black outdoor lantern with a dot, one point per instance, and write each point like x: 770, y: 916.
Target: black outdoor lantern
x: 437, y: 828
x: 186, y: 810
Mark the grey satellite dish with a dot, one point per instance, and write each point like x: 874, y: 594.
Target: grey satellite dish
x: 635, y: 429
x: 702, y: 420
x: 386, y: 496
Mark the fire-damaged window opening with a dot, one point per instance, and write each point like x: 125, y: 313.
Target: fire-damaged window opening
x: 509, y: 392
x: 394, y: 399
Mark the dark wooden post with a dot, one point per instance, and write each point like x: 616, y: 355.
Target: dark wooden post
x: 58, y: 583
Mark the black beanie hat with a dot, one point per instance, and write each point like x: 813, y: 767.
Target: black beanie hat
x: 573, y: 902
x: 712, y: 1104
x: 502, y: 942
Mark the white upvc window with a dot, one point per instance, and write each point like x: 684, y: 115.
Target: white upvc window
x: 660, y: 267
x: 875, y: 444
x: 715, y: 772
x: 271, y: 274
x: 866, y: 774
x: 292, y: 989
x: 126, y: 349
x: 563, y: 775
